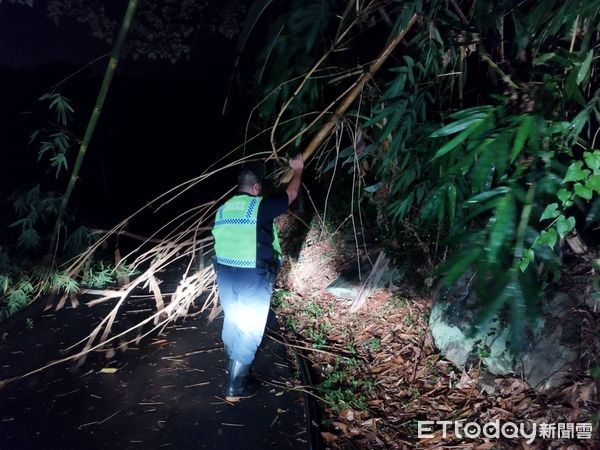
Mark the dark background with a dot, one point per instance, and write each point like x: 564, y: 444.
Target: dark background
x: 161, y: 123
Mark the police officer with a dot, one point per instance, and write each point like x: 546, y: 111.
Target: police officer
x: 248, y: 256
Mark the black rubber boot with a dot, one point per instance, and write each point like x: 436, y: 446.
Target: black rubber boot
x: 240, y: 384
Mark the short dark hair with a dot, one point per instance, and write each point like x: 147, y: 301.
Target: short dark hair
x: 248, y: 177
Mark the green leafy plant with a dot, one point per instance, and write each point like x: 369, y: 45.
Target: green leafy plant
x: 55, y: 141
x: 280, y: 298
x: 342, y: 388
x: 475, y: 132
x: 20, y: 285
x: 317, y: 336
x: 375, y: 344
x: 313, y: 310
x: 34, y: 209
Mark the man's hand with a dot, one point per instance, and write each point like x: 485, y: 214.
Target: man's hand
x: 297, y: 163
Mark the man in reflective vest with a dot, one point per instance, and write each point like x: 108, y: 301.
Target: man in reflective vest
x: 248, y: 256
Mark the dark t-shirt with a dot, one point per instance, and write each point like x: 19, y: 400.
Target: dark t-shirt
x: 268, y: 209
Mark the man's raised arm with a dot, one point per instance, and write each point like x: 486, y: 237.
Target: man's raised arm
x: 297, y: 165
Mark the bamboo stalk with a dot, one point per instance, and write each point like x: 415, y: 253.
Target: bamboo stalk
x: 494, y: 66
x: 572, y: 46
x: 354, y: 92
x: 91, y: 126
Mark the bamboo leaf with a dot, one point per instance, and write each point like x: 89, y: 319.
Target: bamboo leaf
x: 400, y: 208
x: 391, y: 125
x: 522, y: 135
x: 544, y: 58
x: 501, y: 150
x: 463, y: 113
x: 397, y: 86
x: 559, y: 127
x: 459, y: 125
x: 478, y: 211
x: 488, y: 194
x: 483, y: 171
x: 452, y: 202
x: 579, y: 121
x: 458, y: 139
x: 45, y: 146
x: 403, y: 18
x: 29, y: 238
x: 59, y: 162
x: 503, y: 226
x: 571, y: 82
x: 33, y: 136
x: 25, y: 221
x: 585, y: 67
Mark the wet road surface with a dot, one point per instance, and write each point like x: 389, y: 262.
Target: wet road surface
x: 165, y: 392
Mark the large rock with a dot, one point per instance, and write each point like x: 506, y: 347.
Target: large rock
x: 549, y: 350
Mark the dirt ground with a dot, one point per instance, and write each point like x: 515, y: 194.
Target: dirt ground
x: 379, y: 373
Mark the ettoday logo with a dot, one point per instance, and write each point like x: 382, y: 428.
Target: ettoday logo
x: 508, y: 430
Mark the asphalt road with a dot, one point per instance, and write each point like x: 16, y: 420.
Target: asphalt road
x: 165, y: 392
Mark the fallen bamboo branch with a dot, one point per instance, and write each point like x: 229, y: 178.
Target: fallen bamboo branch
x: 339, y: 36
x: 177, y: 239
x: 359, y: 84
x: 177, y: 308
x: 128, y: 234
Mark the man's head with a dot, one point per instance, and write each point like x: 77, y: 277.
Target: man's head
x: 249, y: 181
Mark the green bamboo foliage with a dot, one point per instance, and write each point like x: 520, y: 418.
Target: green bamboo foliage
x: 91, y: 126
x: 482, y: 127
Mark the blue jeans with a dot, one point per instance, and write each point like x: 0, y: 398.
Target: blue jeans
x: 245, y: 295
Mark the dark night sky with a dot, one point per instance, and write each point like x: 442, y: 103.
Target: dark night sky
x: 29, y: 38
x: 161, y: 123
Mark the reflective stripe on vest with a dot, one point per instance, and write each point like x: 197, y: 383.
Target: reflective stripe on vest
x: 235, y: 232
